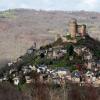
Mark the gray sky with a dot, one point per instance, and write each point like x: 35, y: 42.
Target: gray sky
x: 69, y: 5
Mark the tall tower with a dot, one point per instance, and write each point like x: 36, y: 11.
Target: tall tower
x: 73, y: 28
x: 83, y: 30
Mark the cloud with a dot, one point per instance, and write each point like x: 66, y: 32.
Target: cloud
x: 91, y: 5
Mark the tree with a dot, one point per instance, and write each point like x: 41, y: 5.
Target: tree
x: 70, y: 49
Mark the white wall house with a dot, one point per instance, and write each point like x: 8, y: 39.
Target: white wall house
x: 16, y: 81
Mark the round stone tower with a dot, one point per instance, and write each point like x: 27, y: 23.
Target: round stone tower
x: 73, y: 28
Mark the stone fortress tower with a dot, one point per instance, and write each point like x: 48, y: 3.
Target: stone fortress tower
x: 82, y: 30
x: 75, y: 29
x: 72, y: 27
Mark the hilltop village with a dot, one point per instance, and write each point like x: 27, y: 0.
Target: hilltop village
x: 67, y: 59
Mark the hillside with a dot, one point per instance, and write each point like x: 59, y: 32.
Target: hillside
x: 20, y: 28
x: 58, y: 69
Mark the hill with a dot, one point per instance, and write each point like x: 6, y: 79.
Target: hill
x: 19, y: 28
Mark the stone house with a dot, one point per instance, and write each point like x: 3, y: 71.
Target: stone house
x: 78, y: 51
x: 16, y: 80
x: 50, y: 53
x: 33, y: 68
x: 26, y: 69
x: 90, y: 64
x: 98, y: 64
x: 88, y: 56
x: 28, y: 79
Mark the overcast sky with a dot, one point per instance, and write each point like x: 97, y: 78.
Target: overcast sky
x: 69, y: 5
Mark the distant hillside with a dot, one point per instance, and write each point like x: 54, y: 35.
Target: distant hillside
x: 20, y: 28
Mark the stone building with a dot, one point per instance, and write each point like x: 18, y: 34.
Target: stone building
x: 82, y: 30
x: 72, y: 27
x: 75, y: 29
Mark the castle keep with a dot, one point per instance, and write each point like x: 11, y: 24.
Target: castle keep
x: 75, y: 29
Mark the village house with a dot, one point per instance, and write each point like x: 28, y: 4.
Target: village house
x: 1, y: 79
x: 90, y: 64
x: 75, y: 75
x: 88, y: 55
x: 10, y: 64
x: 88, y: 80
x: 61, y: 72
x: 42, y: 69
x: 5, y: 76
x: 14, y: 73
x: 78, y: 50
x: 59, y: 53
x: 28, y: 79
x: 89, y: 73
x: 98, y: 64
x: 20, y: 59
x: 50, y: 53
x: 33, y: 68
x: 63, y: 50
x: 12, y: 70
x: 29, y: 51
x: 84, y: 49
x: 97, y: 74
x: 42, y: 51
x: 96, y: 83
x: 38, y: 70
x: 32, y: 49
x: 53, y: 74
x: 26, y: 69
x: 16, y: 80
x: 96, y: 69
x: 55, y: 54
x: 68, y: 76
x: 90, y: 77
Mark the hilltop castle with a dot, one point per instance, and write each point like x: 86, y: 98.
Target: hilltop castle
x: 74, y: 29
